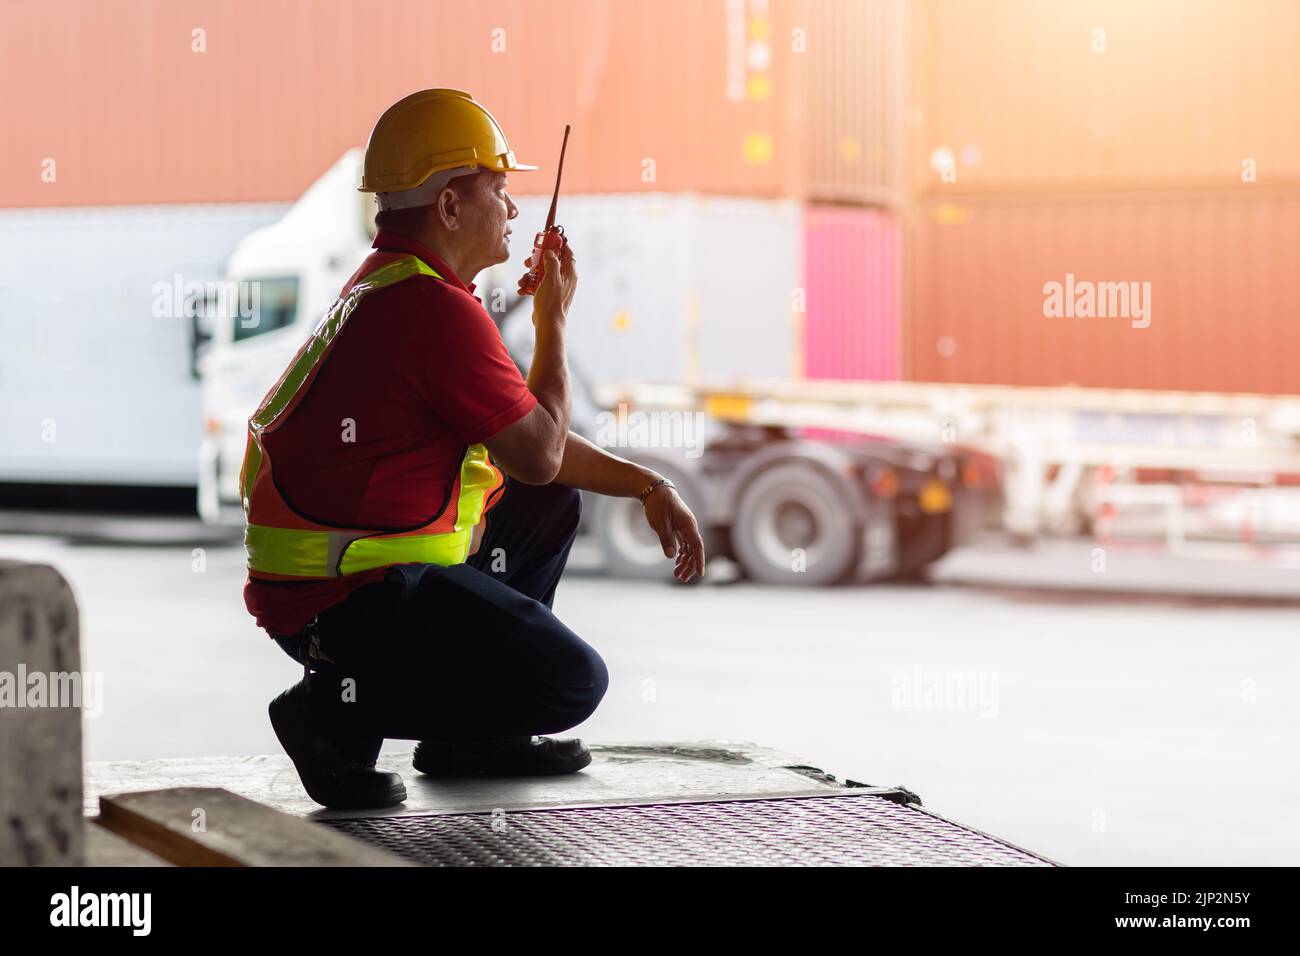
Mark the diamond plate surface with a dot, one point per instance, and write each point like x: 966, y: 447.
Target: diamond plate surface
x: 802, y: 831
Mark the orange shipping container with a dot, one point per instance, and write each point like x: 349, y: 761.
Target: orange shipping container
x: 155, y: 101
x: 1214, y: 275
x: 1019, y: 95
x: 861, y: 101
x: 848, y: 91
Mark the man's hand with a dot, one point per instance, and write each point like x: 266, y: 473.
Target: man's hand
x: 678, y: 532
x: 559, y: 282
x: 594, y: 469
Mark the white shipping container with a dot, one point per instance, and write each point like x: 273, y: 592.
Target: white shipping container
x: 671, y: 287
x: 95, y: 384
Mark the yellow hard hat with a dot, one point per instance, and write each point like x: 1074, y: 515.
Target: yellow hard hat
x: 431, y: 131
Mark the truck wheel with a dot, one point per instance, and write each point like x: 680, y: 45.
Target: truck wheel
x: 630, y: 547
x: 788, y: 509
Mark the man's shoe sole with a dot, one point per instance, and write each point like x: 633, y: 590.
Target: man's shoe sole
x: 394, y: 796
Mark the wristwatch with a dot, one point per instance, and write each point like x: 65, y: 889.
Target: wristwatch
x: 650, y: 488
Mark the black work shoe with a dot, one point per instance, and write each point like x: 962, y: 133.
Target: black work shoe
x: 506, y: 757
x: 329, y: 775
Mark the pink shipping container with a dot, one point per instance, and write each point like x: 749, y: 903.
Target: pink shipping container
x: 851, y: 283
x: 1221, y: 309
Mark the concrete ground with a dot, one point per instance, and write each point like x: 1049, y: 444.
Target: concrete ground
x: 1136, y: 714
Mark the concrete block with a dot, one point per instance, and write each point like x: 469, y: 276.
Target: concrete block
x: 40, y: 719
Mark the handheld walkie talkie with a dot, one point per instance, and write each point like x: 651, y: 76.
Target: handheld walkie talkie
x: 552, y: 237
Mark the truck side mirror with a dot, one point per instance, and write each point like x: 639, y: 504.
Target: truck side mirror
x: 201, y: 332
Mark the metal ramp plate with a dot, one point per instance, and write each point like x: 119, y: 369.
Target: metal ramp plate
x: 816, y: 830
x: 644, y: 773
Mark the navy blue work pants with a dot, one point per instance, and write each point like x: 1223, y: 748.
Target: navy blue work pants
x: 467, y: 652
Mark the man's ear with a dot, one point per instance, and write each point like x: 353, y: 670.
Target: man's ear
x: 448, y: 208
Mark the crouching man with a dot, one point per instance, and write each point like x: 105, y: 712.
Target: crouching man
x: 411, y: 500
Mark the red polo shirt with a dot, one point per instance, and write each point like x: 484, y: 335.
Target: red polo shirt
x: 421, y: 373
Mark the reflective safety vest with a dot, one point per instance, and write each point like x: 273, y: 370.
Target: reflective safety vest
x: 281, y: 543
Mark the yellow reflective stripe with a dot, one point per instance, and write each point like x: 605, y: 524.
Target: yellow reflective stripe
x: 476, y: 476
x: 287, y: 551
x: 315, y: 554
x: 445, y: 549
x: 307, y: 553
x: 252, y: 462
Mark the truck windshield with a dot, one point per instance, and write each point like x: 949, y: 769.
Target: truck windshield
x: 264, y: 305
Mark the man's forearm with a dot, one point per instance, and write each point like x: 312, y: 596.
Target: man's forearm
x: 548, y: 375
x: 591, y: 468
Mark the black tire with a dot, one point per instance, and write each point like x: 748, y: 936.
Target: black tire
x: 789, y: 506
x: 627, y: 543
